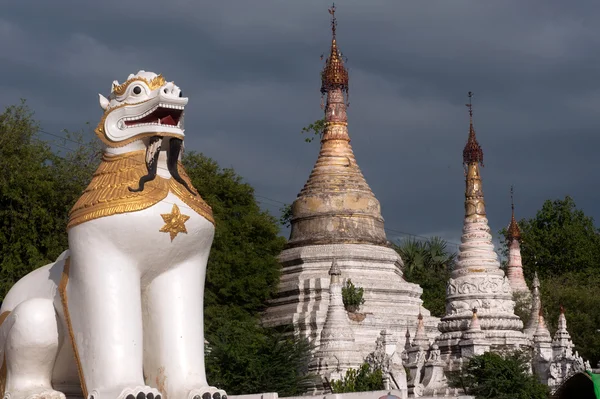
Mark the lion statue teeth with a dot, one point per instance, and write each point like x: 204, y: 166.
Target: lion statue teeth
x: 119, y: 315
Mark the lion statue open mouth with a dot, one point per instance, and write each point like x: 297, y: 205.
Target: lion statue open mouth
x: 120, y: 313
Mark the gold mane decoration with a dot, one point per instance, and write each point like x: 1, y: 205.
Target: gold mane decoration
x: 153, y: 84
x: 108, y: 193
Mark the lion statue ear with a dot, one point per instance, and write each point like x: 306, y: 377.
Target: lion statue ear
x: 103, y: 101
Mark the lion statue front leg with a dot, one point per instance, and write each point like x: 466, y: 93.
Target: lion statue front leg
x: 120, y: 314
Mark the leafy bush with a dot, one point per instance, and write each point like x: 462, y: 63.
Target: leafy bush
x: 495, y: 376
x: 352, y: 296
x: 364, y: 379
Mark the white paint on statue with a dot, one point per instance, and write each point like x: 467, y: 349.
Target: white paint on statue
x: 120, y: 314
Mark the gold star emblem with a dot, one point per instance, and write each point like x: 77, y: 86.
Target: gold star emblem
x: 174, y: 222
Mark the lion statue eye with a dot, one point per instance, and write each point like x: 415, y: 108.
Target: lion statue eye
x: 137, y: 90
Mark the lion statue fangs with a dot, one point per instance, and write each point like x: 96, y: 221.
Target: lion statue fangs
x: 119, y: 315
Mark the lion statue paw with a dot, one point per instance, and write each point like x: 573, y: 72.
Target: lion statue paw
x: 207, y: 393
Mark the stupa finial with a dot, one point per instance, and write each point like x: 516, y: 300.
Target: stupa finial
x: 472, y: 159
x: 513, y: 231
x: 334, y: 75
x: 335, y: 268
x: 472, y: 152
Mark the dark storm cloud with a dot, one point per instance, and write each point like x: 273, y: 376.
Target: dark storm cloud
x: 251, y: 70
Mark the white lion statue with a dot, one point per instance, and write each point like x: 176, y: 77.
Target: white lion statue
x: 119, y: 315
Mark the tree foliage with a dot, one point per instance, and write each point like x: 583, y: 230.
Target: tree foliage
x: 314, y: 130
x: 366, y: 378
x: 562, y: 244
x: 428, y: 264
x: 285, y: 218
x: 243, y: 271
x: 352, y: 296
x: 242, y: 275
x: 496, y: 376
x: 37, y: 189
x: 246, y: 358
x: 578, y: 293
x: 559, y: 239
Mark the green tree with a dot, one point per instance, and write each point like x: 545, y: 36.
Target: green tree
x: 428, y: 264
x: 247, y: 358
x: 563, y: 245
x: 366, y: 378
x: 496, y: 376
x: 37, y: 189
x: 578, y: 293
x: 243, y: 270
x: 560, y: 238
x: 243, y: 273
x: 286, y: 215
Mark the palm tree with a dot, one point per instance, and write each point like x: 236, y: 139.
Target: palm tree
x: 432, y: 254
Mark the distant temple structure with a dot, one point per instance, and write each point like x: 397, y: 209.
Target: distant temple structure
x: 337, y: 234
x: 336, y: 216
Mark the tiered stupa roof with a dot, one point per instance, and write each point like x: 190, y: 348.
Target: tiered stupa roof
x: 336, y: 204
x: 514, y: 269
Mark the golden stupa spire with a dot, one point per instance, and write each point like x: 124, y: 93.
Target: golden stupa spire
x: 472, y: 159
x: 334, y: 75
x: 513, y: 231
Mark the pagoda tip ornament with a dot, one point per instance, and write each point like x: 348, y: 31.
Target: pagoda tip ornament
x: 472, y: 152
x: 513, y: 232
x: 334, y: 75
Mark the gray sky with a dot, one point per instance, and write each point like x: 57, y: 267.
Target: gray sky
x: 251, y: 70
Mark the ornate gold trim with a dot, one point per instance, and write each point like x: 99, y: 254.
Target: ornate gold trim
x: 3, y: 316
x: 3, y: 375
x: 108, y: 192
x: 193, y: 201
x: 3, y: 368
x: 153, y: 84
x: 62, y: 289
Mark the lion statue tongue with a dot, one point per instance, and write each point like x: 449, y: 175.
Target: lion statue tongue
x: 168, y: 120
